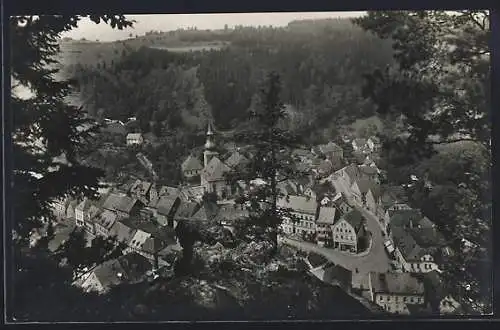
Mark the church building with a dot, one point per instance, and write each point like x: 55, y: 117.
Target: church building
x: 214, y: 171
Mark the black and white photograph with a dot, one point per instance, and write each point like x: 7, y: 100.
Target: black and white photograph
x: 250, y: 167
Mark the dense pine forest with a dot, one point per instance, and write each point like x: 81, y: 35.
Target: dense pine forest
x: 321, y: 64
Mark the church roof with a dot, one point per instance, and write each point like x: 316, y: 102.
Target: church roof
x: 191, y: 164
x: 215, y: 170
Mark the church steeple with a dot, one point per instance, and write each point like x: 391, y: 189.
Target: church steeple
x: 210, y: 145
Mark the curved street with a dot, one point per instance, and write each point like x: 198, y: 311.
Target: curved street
x: 375, y: 260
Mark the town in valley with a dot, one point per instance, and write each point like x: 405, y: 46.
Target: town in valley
x: 224, y: 170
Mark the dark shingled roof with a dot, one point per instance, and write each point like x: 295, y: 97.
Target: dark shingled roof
x: 123, y: 232
x: 191, y: 164
x: 407, y: 245
x: 228, y: 213
x: 119, y: 202
x: 165, y: 204
x: 186, y: 210
x: 355, y: 219
x: 396, y: 283
x: 206, y: 212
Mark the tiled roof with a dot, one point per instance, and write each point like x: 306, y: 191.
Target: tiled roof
x: 352, y: 171
x: 134, y: 265
x: 206, y: 212
x: 119, y: 202
x: 106, y: 219
x: 229, y: 213
x: 123, y: 232
x: 327, y: 215
x: 191, y: 164
x: 299, y: 204
x: 165, y: 204
x: 186, y: 210
x: 355, y: 219
x: 215, y: 170
x: 405, y: 218
x: 396, y: 283
x: 407, y: 245
x: 140, y: 187
x: 287, y: 187
x: 236, y: 159
x: 166, y: 190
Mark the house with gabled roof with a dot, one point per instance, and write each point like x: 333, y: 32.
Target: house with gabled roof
x: 303, y: 210
x: 123, y: 205
x: 236, y: 160
x: 213, y: 177
x: 104, y: 221
x: 360, y: 188
x: 59, y: 207
x: 191, y: 167
x: 82, y: 212
x: 395, y: 291
x: 130, y: 268
x: 331, y: 149
x: 140, y: 190
x: 348, y: 231
x: 410, y: 256
x: 185, y: 211
x: 70, y: 210
x: 122, y: 232
x: 165, y: 209
x: 327, y: 217
x: 206, y: 212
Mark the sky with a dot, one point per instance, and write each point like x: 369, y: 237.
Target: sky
x: 168, y: 22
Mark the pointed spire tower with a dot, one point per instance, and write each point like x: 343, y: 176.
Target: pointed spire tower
x: 210, y: 146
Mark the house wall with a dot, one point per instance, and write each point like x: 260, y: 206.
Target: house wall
x: 80, y: 219
x: 425, y: 265
x: 397, y: 303
x: 344, y: 234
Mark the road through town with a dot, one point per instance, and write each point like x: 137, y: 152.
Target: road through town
x: 375, y: 260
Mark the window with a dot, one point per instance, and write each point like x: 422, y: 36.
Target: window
x: 411, y: 299
x: 397, y: 298
x: 404, y: 299
x: 389, y: 298
x: 381, y: 298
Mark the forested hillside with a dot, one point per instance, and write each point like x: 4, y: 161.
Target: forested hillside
x: 321, y: 64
